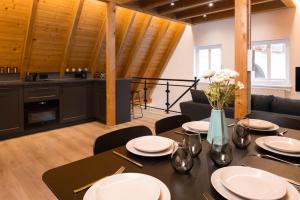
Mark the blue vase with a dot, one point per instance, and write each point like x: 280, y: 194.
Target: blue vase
x: 217, y: 131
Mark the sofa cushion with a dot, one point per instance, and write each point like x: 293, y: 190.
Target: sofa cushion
x: 199, y: 96
x: 286, y: 106
x: 261, y: 102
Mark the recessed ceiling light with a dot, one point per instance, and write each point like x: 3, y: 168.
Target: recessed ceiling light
x: 172, y: 4
x: 204, y: 15
x: 211, y: 4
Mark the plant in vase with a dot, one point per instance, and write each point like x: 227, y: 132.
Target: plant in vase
x: 220, y: 93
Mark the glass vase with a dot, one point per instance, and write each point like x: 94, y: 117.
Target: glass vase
x: 217, y: 131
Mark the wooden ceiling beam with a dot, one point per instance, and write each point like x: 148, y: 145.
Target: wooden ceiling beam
x: 170, y: 50
x: 151, y: 4
x: 168, y: 53
x: 153, y: 49
x: 124, y: 35
x: 183, y: 5
x: 97, y: 48
x: 196, y: 12
x: 289, y: 3
x: 257, y: 6
x: 70, y: 38
x: 136, y: 45
x: 26, y: 51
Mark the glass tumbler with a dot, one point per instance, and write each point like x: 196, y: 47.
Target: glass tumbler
x: 241, y: 136
x: 181, y: 158
x: 193, y: 141
x: 221, y: 154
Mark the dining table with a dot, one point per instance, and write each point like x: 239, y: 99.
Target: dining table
x: 64, y: 179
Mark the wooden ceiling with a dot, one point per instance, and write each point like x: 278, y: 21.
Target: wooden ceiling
x: 199, y: 11
x: 51, y: 35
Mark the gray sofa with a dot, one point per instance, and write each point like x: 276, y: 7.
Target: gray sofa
x: 284, y: 112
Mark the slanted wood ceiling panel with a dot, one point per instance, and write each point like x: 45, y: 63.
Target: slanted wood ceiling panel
x: 13, y: 21
x: 91, y: 19
x: 51, y: 27
x: 71, y: 34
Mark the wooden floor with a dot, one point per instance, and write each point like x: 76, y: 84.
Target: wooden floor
x: 23, y: 160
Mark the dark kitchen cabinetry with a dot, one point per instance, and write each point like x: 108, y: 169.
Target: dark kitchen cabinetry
x: 73, y: 102
x: 11, y: 110
x: 122, y: 101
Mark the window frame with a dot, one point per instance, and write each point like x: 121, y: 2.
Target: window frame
x: 271, y: 82
x: 208, y: 47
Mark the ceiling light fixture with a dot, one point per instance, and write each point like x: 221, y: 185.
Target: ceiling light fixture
x: 204, y: 15
x: 211, y: 4
x: 172, y: 4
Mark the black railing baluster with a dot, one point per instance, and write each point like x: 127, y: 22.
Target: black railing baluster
x: 143, y: 80
x: 168, y: 93
x: 145, y: 94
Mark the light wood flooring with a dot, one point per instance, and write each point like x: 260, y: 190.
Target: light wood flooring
x: 23, y: 160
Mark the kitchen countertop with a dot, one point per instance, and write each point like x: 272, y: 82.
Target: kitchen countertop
x: 48, y: 81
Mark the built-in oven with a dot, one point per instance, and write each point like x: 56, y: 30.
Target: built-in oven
x: 41, y: 113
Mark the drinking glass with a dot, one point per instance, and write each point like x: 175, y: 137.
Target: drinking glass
x: 241, y: 136
x: 194, y: 143
x: 221, y: 153
x: 181, y: 158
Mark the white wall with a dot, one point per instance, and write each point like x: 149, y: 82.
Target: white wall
x: 278, y: 24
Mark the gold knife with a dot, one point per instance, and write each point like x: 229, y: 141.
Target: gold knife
x: 121, y: 170
x: 129, y: 159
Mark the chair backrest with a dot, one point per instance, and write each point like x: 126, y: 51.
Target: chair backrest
x: 119, y: 137
x: 280, y: 120
x: 170, y: 123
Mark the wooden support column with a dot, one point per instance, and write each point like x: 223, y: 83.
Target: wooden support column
x: 242, y: 45
x: 25, y: 58
x: 71, y: 37
x: 111, y: 64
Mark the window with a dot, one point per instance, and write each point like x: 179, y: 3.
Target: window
x: 208, y: 57
x: 270, y: 63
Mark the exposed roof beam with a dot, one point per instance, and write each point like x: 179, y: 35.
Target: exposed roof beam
x: 136, y: 45
x: 150, y: 4
x: 124, y: 35
x: 71, y: 36
x: 158, y: 38
x: 289, y: 3
x: 183, y: 5
x: 24, y: 61
x: 257, y: 6
x: 195, y: 12
x: 97, y: 48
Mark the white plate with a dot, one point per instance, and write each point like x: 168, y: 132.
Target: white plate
x: 292, y: 193
x: 261, y: 143
x: 130, y: 148
x: 152, y: 144
x: 262, y: 123
x: 284, y: 144
x: 252, y: 183
x: 196, y: 126
x: 127, y: 186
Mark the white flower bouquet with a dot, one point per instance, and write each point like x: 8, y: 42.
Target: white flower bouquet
x: 222, y: 87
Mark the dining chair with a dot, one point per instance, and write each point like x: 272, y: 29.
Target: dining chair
x: 280, y: 120
x: 119, y: 137
x: 170, y: 123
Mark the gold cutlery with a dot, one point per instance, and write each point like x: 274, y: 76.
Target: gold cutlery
x: 119, y: 171
x: 129, y: 159
x: 207, y: 196
x: 282, y: 132
x: 230, y: 125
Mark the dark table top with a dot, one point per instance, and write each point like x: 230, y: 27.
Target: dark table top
x: 64, y: 179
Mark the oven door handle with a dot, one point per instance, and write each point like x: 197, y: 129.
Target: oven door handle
x: 46, y: 96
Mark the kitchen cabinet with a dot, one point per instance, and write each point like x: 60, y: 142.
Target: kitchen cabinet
x: 11, y: 110
x: 73, y: 102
